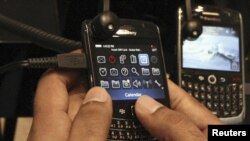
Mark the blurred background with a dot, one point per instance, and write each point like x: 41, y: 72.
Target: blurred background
x: 64, y: 17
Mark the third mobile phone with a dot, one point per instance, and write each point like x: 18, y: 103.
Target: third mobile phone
x: 211, y: 67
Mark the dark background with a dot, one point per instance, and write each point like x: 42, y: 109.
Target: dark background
x: 64, y: 17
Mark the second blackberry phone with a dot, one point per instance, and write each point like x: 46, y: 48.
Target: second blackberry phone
x: 211, y: 67
x: 129, y: 64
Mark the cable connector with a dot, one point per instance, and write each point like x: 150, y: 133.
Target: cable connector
x: 72, y: 61
x: 64, y: 61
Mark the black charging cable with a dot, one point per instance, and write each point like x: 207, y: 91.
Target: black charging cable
x: 39, y: 37
x: 101, y: 28
x: 45, y: 40
x: 48, y: 41
x: 63, y: 61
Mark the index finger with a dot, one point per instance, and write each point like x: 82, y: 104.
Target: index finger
x: 51, y: 106
x: 181, y: 101
x: 52, y: 90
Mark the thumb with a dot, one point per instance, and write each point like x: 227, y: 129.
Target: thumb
x: 166, y: 124
x: 93, y: 119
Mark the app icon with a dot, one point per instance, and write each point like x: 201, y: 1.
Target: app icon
x: 103, y: 71
x: 134, y: 71
x: 136, y: 84
x: 124, y: 71
x: 133, y: 59
x: 104, y: 84
x: 154, y: 59
x: 113, y: 72
x: 126, y: 84
x: 147, y: 83
x: 145, y: 71
x: 122, y: 59
x: 158, y: 84
x: 101, y: 59
x: 115, y: 84
x: 112, y: 59
x: 234, y: 65
x: 143, y: 59
x: 156, y: 71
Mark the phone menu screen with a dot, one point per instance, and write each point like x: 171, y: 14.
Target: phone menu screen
x: 131, y: 69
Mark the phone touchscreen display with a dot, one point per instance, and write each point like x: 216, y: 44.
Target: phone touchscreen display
x: 217, y: 48
x: 130, y: 68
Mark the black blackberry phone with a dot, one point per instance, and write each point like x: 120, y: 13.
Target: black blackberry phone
x: 211, y: 67
x: 129, y: 64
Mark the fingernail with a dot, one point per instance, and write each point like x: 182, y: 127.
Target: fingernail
x: 148, y: 105
x: 96, y: 94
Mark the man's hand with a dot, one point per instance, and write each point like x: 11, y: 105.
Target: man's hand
x: 63, y: 112
x: 187, y: 120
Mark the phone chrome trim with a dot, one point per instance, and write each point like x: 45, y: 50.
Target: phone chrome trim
x: 234, y: 120
x: 210, y: 13
x: 247, y: 88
